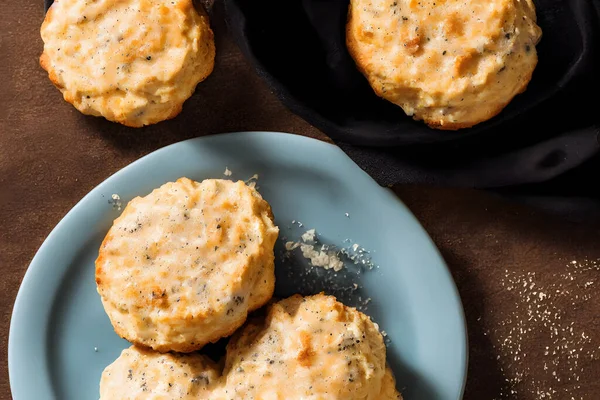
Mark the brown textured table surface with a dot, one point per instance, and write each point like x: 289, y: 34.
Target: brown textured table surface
x: 529, y: 283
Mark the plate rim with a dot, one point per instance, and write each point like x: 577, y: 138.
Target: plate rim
x: 16, y: 319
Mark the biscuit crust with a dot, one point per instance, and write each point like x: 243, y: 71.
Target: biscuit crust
x: 450, y: 63
x: 308, y: 347
x: 140, y: 374
x: 388, y: 387
x: 134, y: 62
x: 183, y: 266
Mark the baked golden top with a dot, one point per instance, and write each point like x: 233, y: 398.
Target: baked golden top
x: 450, y: 63
x: 131, y: 61
x: 307, y: 348
x: 139, y: 374
x: 182, y: 266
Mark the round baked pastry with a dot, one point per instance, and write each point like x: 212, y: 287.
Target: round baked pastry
x: 183, y: 266
x: 139, y: 374
x: 131, y: 61
x: 450, y: 63
x: 307, y: 347
x: 388, y: 387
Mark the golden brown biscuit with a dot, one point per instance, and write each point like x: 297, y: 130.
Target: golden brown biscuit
x: 307, y: 347
x: 388, y: 387
x: 450, y: 63
x: 182, y: 266
x: 139, y: 374
x: 131, y: 61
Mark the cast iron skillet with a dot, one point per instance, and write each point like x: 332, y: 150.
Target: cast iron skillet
x: 298, y: 46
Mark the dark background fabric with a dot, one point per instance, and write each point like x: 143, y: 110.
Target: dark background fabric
x: 298, y: 47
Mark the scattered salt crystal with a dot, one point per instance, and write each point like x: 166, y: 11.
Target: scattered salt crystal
x: 227, y: 172
x: 329, y: 256
x: 251, y: 182
x: 289, y: 246
x: 116, y: 201
x: 319, y: 258
x: 347, y: 215
x: 536, y: 311
x: 308, y: 236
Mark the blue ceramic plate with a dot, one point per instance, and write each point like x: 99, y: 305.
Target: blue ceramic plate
x: 61, y: 339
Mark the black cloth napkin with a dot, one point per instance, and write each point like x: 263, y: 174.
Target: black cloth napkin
x: 542, y: 149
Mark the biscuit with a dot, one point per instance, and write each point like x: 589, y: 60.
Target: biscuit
x: 140, y: 374
x: 307, y: 347
x: 388, y: 387
x: 131, y: 61
x: 451, y: 63
x: 183, y: 266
